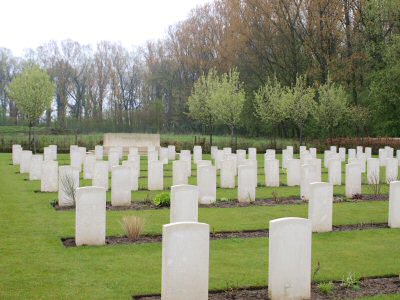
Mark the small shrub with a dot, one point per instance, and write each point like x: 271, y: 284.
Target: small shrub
x: 351, y: 282
x: 162, y: 199
x: 69, y: 188
x: 54, y: 202
x: 326, y: 288
x: 133, y: 226
x: 275, y: 196
x: 357, y: 197
x: 223, y: 199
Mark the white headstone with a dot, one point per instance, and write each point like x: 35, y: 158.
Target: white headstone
x: 382, y: 157
x: 47, y: 153
x: 98, y: 152
x: 335, y: 171
x: 68, y: 182
x: 16, y: 154
x: 113, y: 159
x: 313, y: 152
x: 90, y: 224
x: 373, y: 171
x: 353, y: 179
x: 207, y: 183
x: 82, y: 150
x: 342, y: 154
x: 270, y: 154
x: 368, y: 152
x: 293, y: 172
x: 197, y: 153
x: 134, y: 175
x: 360, y: 149
x: 88, y: 166
x: 219, y: 157
x: 53, y: 151
x: 100, y: 174
x: 320, y: 206
x: 179, y: 172
x: 246, y: 186
x: 49, y: 180
x: 308, y: 175
x: 186, y: 156
x: 214, y: 150
x: 394, y: 205
x: 333, y: 149
x: 171, y: 152
x: 252, y: 153
x: 227, y: 175
x: 25, y: 162
x: 392, y: 169
x: 76, y: 159
x: 227, y: 150
x: 184, y: 203
x: 156, y: 176
x: 185, y: 261
x: 302, y: 148
x: 271, y: 170
x: 240, y: 156
x: 120, y: 186
x: 35, y: 167
x: 164, y: 155
x: 289, y: 272
x: 352, y: 153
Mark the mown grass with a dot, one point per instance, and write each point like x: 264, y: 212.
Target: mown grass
x: 35, y: 265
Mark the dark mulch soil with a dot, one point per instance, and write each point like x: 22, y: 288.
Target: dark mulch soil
x: 145, y: 205
x: 367, y: 287
x: 113, y: 240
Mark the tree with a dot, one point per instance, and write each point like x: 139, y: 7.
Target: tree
x: 269, y: 104
x: 200, y: 107
x: 33, y: 93
x: 299, y: 102
x: 332, y: 107
x: 227, y: 100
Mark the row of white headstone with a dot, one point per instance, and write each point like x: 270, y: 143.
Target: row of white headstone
x: 185, y: 242
x: 301, y: 171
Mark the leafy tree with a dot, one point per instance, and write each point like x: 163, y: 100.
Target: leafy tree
x: 299, y: 104
x: 332, y: 107
x: 385, y: 90
x: 227, y: 100
x: 33, y: 93
x: 199, y: 104
x: 269, y: 104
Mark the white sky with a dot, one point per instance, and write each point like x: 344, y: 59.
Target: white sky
x: 30, y: 23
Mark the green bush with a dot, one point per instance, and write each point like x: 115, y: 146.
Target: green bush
x: 162, y: 199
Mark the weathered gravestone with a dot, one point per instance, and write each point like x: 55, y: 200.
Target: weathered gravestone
x: 90, y: 223
x: 394, y: 205
x: 289, y: 272
x: 185, y: 261
x: 68, y: 182
x: 320, y: 206
x: 49, y: 179
x: 120, y: 186
x: 35, y: 167
x: 184, y: 203
x: 207, y: 183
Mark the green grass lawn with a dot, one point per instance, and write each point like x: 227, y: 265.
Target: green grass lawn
x: 35, y: 265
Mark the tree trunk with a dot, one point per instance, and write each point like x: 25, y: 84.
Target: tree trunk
x: 30, y: 136
x: 300, y: 136
x: 34, y: 141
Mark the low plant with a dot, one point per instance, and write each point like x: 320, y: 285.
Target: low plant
x: 162, y: 199
x: 374, y: 185
x: 351, y: 282
x: 275, y: 196
x: 223, y: 199
x: 68, y: 186
x: 147, y: 199
x: 326, y: 288
x: 53, y: 202
x: 132, y: 226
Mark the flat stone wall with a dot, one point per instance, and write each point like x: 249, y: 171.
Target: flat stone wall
x: 127, y: 140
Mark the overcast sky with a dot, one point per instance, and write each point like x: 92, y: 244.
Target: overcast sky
x: 30, y: 23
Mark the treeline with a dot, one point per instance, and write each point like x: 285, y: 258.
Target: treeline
x: 354, y: 43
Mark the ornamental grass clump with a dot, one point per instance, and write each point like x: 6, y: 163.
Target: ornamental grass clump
x: 133, y: 226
